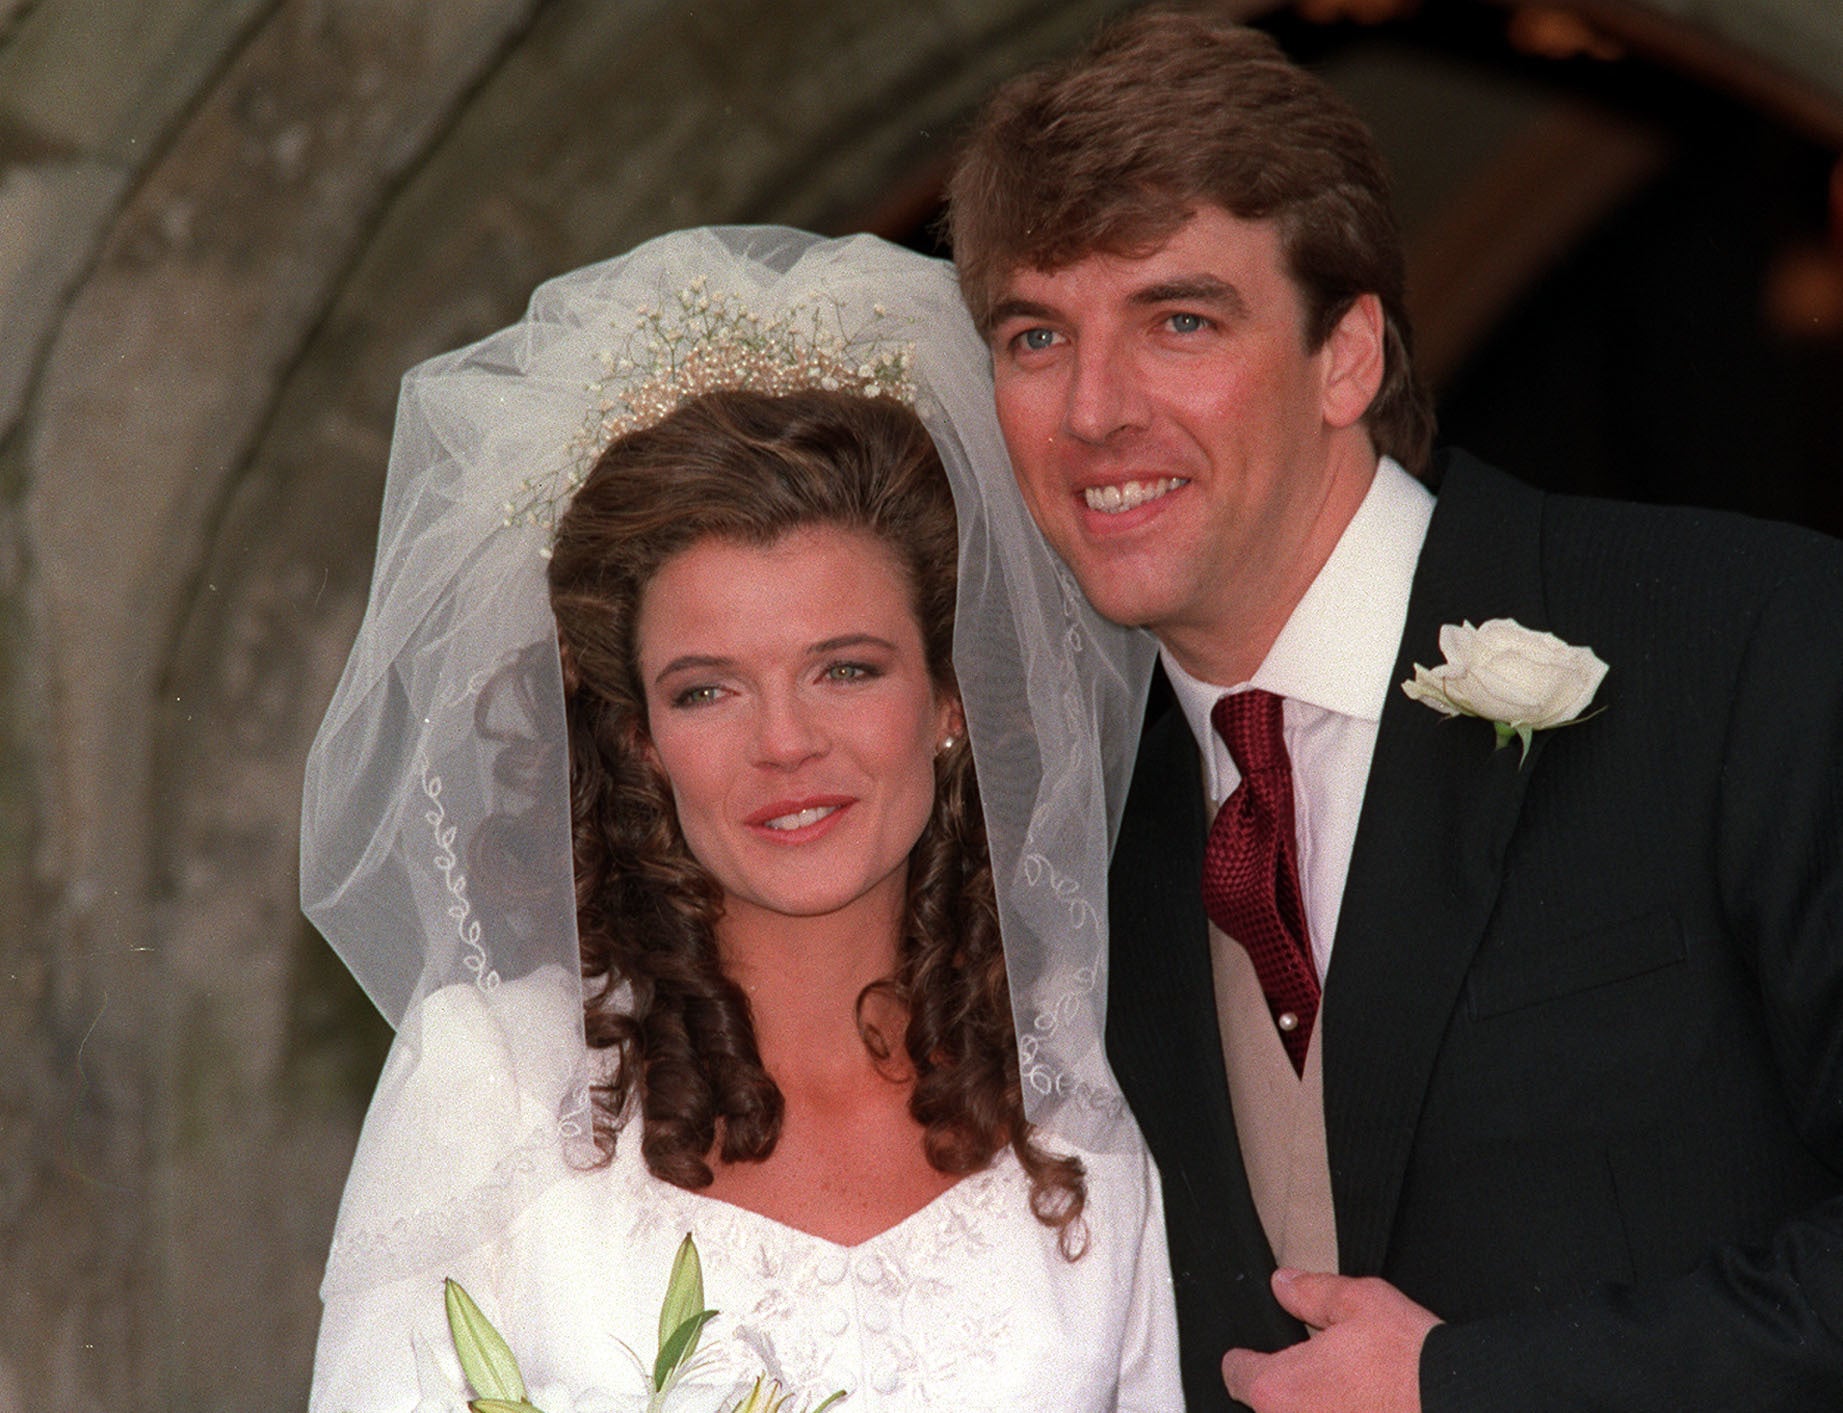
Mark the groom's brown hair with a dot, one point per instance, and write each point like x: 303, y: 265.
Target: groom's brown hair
x: 1113, y: 150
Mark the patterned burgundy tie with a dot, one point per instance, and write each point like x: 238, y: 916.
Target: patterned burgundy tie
x: 1251, y: 866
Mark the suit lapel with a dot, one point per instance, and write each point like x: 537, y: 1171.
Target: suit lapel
x: 1438, y: 813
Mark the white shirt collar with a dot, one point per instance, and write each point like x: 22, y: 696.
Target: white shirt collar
x: 1337, y: 651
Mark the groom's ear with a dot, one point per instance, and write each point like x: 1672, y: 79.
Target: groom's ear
x: 1353, y: 366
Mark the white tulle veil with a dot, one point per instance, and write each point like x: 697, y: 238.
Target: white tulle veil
x: 435, y: 833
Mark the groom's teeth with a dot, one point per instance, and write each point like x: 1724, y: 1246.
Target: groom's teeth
x: 801, y: 818
x: 1112, y: 500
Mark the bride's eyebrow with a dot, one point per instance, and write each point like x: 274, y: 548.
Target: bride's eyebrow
x: 708, y: 662
x: 693, y: 662
x: 852, y: 640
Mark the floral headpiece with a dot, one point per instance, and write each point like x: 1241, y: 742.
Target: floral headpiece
x: 713, y: 343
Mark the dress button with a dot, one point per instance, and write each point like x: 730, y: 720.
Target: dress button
x: 886, y: 1380
x: 831, y: 1268
x: 870, y: 1270
x: 836, y: 1322
x: 1287, y: 1021
x: 876, y: 1319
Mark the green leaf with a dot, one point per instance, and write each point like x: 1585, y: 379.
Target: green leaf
x: 678, y: 1347
x: 503, y: 1405
x: 486, y: 1358
x: 684, y: 1290
x: 838, y: 1397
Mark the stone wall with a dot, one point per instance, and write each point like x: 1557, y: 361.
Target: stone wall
x: 226, y: 228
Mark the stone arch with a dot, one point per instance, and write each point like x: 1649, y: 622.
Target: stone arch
x: 226, y: 226
x: 272, y: 212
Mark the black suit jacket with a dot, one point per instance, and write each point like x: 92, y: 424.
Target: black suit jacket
x: 1583, y: 1025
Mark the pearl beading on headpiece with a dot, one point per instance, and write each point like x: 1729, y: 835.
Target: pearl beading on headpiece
x: 713, y: 343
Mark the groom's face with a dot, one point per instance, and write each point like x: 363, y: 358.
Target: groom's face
x: 1172, y: 433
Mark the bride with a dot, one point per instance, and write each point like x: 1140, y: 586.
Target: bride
x: 645, y: 810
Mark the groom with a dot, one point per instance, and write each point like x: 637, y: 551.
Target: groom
x: 1542, y: 1049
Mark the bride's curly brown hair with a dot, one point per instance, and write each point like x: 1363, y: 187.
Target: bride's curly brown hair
x: 748, y: 468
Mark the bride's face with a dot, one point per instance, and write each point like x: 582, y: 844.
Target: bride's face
x: 789, y: 702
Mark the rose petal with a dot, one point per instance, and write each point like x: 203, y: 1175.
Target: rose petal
x: 1509, y: 674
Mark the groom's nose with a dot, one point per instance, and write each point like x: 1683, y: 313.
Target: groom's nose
x: 1104, y: 394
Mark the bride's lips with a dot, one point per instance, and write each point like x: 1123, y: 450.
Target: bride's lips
x: 798, y: 821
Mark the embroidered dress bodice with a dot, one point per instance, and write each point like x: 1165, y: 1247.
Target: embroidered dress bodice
x: 966, y: 1304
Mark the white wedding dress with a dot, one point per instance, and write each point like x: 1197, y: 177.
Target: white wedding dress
x: 965, y: 1305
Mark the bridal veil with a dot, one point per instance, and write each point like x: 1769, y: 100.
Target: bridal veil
x: 435, y: 827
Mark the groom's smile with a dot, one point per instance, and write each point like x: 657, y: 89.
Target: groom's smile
x: 1120, y: 497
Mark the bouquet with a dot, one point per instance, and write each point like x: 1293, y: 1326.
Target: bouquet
x: 493, y: 1372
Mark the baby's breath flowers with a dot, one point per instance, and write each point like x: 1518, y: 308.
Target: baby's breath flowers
x: 712, y: 342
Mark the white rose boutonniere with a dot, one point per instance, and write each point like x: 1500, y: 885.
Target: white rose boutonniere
x: 1519, y: 680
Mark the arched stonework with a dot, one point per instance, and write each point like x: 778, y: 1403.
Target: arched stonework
x: 226, y: 227
x: 258, y: 218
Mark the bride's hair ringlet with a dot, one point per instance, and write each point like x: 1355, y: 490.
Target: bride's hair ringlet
x: 752, y: 467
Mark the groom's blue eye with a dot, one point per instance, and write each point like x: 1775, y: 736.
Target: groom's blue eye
x: 1036, y: 340
x: 1186, y: 323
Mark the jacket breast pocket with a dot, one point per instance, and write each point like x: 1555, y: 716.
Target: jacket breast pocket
x: 1510, y: 978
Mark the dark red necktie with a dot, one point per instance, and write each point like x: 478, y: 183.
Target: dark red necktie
x: 1251, y: 866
